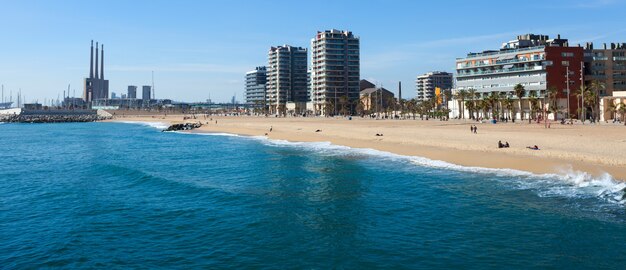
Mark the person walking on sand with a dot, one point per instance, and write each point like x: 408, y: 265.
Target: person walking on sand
x: 271, y: 128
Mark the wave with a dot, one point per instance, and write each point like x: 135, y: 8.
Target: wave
x: 211, y: 134
x: 567, y: 182
x: 157, y: 125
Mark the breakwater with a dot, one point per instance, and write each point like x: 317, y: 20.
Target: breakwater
x: 184, y: 126
x: 53, y: 116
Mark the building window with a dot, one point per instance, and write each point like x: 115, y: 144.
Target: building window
x: 567, y: 54
x: 565, y: 63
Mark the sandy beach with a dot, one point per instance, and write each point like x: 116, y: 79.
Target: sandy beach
x: 595, y: 149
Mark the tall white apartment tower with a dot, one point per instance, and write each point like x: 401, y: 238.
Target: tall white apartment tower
x: 286, y: 78
x: 335, y: 71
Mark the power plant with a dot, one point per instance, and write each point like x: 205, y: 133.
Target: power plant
x: 96, y: 87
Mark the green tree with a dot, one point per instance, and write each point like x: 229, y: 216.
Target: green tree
x: 622, y: 112
x: 598, y: 89
x: 460, y: 96
x: 519, y: 93
x: 552, y: 94
x: 581, y: 93
x: 343, y: 103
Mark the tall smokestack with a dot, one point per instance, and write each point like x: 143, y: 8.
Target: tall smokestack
x: 400, y: 91
x: 91, y: 62
x: 102, y: 63
x: 96, y: 60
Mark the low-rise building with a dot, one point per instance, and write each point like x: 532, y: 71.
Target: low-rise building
x: 376, y: 99
x: 535, y: 62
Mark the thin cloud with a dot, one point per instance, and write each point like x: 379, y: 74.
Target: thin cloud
x: 596, y: 3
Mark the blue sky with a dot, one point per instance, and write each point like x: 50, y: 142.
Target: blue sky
x: 199, y: 49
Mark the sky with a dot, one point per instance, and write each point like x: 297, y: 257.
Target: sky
x: 202, y: 49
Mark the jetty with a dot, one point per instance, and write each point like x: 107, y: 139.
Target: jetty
x: 18, y: 115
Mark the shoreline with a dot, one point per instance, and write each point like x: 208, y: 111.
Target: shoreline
x: 338, y: 132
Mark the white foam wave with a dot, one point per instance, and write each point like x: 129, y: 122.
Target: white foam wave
x: 157, y: 125
x: 567, y: 182
x: 213, y: 134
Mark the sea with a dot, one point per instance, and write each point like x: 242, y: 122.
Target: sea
x: 128, y: 196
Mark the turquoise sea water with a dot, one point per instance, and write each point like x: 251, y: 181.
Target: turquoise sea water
x: 114, y: 195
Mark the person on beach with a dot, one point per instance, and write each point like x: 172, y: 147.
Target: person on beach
x: 506, y: 145
x: 500, y: 144
x: 271, y: 128
x: 533, y: 147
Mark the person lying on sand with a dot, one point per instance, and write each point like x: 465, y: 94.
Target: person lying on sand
x: 379, y: 135
x: 319, y: 130
x: 533, y: 147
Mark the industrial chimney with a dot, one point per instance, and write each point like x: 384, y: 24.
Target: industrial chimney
x: 102, y: 64
x: 91, y: 62
x: 96, y: 60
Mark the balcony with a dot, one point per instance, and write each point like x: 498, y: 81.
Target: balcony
x: 596, y: 77
x: 503, y: 62
x: 498, y: 71
x: 477, y: 55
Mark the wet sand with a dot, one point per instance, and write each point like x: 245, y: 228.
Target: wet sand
x: 595, y: 149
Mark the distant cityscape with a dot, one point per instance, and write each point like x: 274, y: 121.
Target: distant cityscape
x: 325, y: 80
x: 528, y: 69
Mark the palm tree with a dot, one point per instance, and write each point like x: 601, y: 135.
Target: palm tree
x: 612, y: 108
x: 591, y: 99
x: 471, y: 94
x: 598, y: 89
x: 622, y: 111
x: 360, y: 107
x: 552, y: 93
x: 580, y: 94
x: 508, y: 104
x: 519, y: 93
x: 493, y: 99
x: 532, y: 102
x: 401, y: 104
x: 329, y: 107
x: 470, y: 108
x: 343, y: 102
x: 461, y: 95
x: 412, y: 106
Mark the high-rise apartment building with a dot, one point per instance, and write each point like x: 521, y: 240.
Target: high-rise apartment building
x: 255, y: 86
x: 426, y: 84
x: 606, y: 65
x: 286, y: 78
x: 145, y: 93
x: 132, y: 91
x: 335, y: 71
x: 534, y: 61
